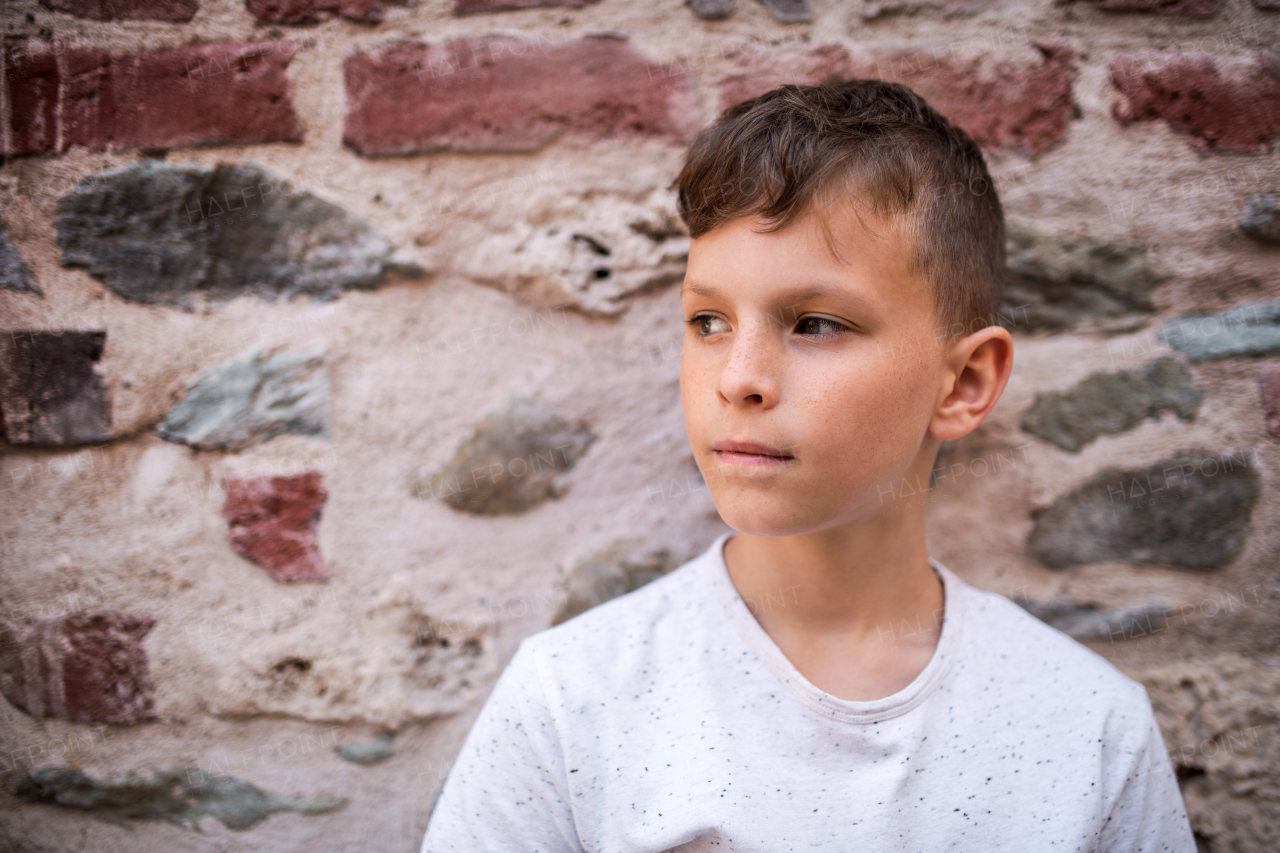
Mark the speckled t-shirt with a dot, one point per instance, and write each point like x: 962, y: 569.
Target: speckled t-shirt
x: 667, y: 719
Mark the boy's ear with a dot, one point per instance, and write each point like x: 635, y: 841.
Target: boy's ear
x: 977, y: 369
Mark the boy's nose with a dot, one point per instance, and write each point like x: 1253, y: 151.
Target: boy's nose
x: 748, y: 375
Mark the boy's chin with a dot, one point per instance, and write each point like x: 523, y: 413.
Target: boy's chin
x: 757, y: 514
x: 755, y: 519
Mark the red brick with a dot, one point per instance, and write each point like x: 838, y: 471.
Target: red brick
x: 313, y: 11
x: 126, y: 10
x: 1027, y: 108
x: 1001, y: 106
x: 83, y: 667
x: 272, y: 521
x: 1227, y: 103
x: 1269, y: 384
x: 471, y: 7
x: 765, y: 68
x: 31, y: 83
x: 1190, y: 8
x: 217, y: 94
x: 506, y: 93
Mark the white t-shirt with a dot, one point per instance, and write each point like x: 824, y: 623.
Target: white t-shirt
x: 667, y: 719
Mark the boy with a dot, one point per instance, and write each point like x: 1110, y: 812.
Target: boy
x: 846, y: 263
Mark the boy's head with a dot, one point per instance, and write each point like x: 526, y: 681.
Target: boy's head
x: 876, y: 145
x: 845, y: 269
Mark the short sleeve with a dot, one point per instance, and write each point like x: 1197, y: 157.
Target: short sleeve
x: 508, y: 790
x: 1148, y: 814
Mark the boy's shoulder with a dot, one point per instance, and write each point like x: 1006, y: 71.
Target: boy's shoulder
x: 666, y: 606
x: 677, y: 621
x: 1004, y: 637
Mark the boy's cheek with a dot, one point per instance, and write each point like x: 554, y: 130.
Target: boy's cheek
x: 696, y: 389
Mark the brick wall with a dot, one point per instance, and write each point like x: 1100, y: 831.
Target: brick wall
x: 340, y: 347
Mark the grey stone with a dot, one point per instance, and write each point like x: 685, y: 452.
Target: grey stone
x: 1061, y: 282
x: 788, y: 11
x: 1192, y: 510
x: 50, y: 391
x: 1112, y: 403
x: 710, y: 10
x: 1249, y: 329
x: 177, y: 796
x: 167, y: 232
x: 14, y: 272
x: 949, y: 8
x: 515, y: 460
x: 1089, y: 622
x: 1260, y: 218
x: 622, y: 567
x: 264, y: 394
x: 369, y: 751
x: 1269, y: 385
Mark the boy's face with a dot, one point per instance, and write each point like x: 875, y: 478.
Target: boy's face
x: 834, y: 369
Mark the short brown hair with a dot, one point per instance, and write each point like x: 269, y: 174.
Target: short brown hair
x: 777, y: 154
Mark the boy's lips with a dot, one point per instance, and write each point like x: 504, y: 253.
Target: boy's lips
x: 750, y: 453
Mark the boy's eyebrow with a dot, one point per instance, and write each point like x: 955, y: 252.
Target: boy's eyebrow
x: 790, y: 297
x: 697, y: 288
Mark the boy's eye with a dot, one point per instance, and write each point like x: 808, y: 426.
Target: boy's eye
x: 708, y: 324
x: 819, y: 327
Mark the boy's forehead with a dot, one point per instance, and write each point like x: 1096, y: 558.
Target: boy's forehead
x: 841, y: 256
x: 824, y: 245
x: 786, y: 293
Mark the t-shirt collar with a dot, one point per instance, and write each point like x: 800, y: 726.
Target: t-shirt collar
x: 871, y: 711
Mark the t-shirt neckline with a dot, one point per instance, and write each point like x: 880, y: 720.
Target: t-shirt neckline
x: 817, y: 699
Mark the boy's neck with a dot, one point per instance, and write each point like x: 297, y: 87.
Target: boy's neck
x: 857, y: 610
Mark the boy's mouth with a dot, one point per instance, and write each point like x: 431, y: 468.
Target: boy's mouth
x: 750, y: 453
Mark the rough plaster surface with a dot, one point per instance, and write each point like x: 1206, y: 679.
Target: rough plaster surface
x: 589, y: 253
x: 1221, y: 726
x: 263, y: 681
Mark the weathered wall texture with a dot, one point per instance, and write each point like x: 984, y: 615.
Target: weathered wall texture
x: 340, y: 346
